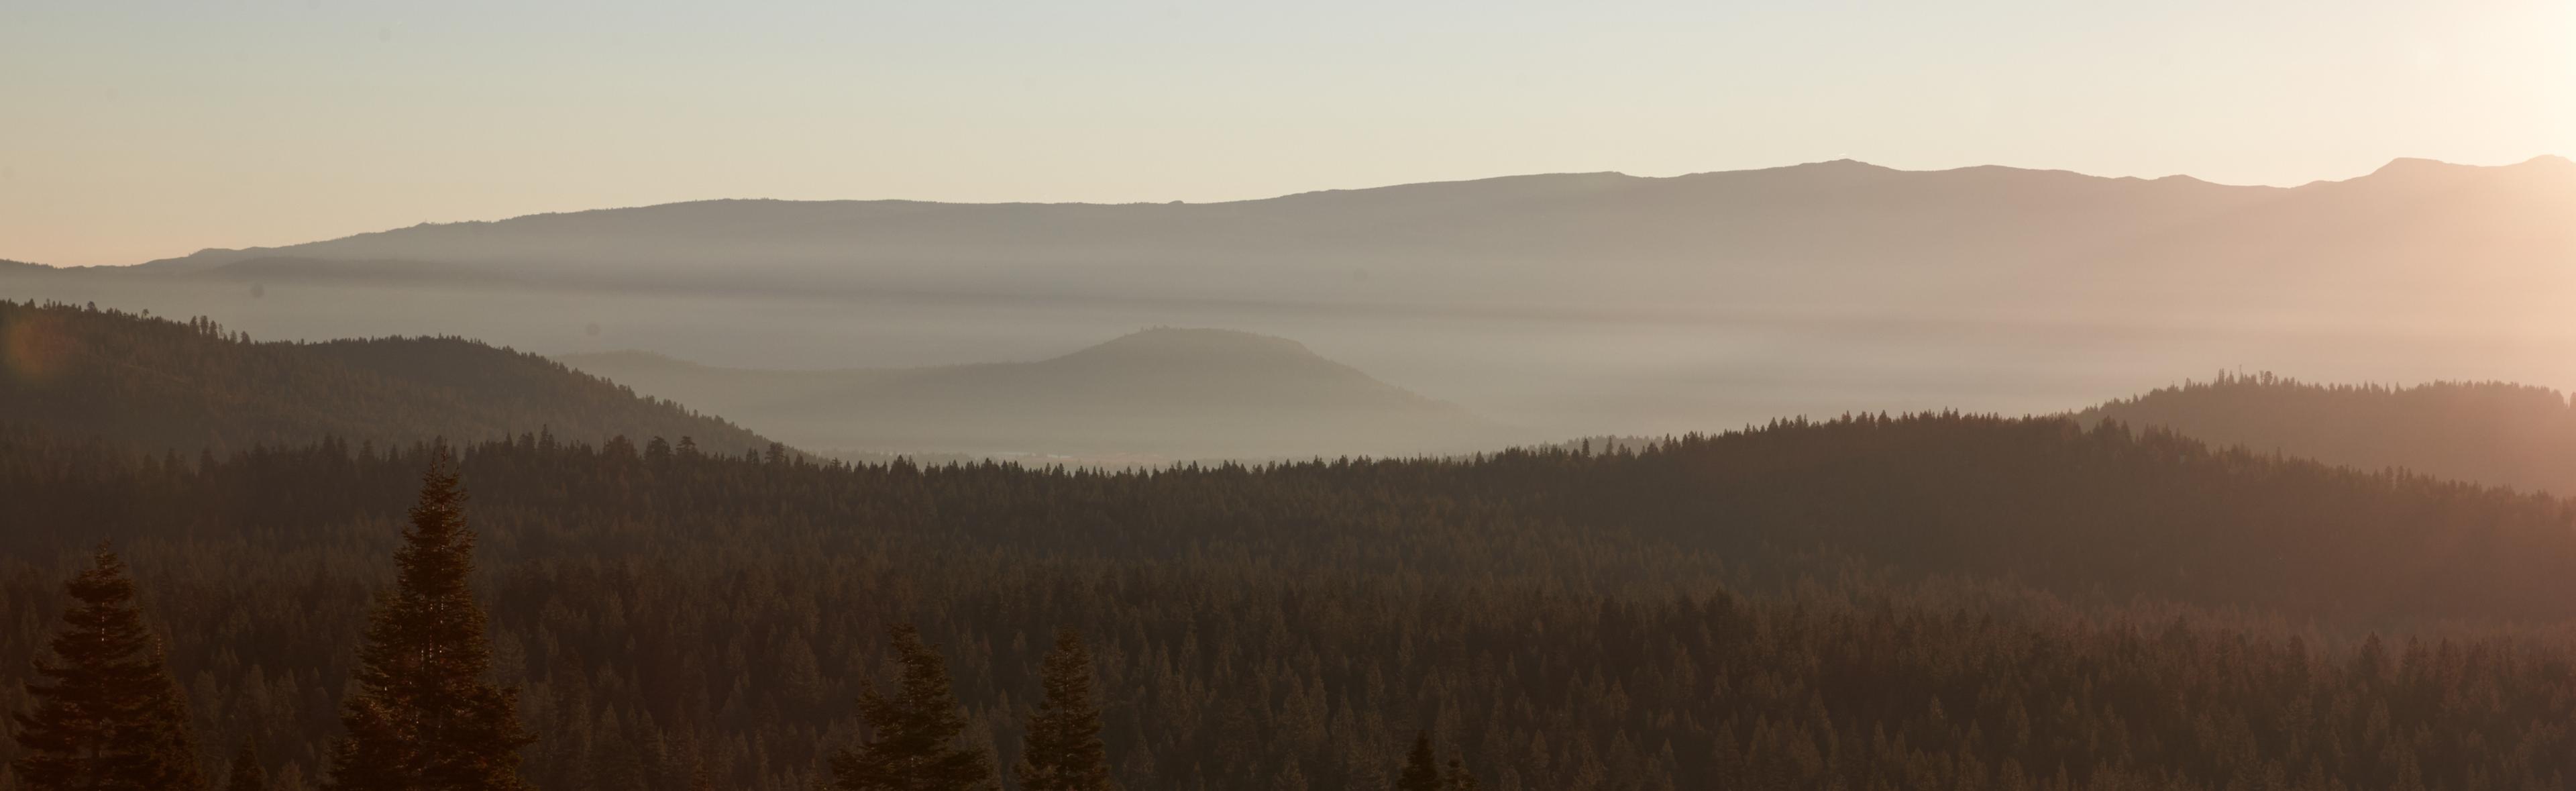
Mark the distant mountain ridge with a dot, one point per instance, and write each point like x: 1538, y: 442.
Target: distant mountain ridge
x: 1162, y: 393
x: 1830, y: 232
x: 761, y: 231
x: 160, y: 385
x: 2494, y: 433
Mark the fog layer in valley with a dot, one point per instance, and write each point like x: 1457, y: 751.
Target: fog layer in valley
x: 1156, y: 395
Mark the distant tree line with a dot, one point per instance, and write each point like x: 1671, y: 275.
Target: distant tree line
x: 2491, y: 432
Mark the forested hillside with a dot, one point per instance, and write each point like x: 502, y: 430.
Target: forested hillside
x: 160, y: 385
x: 1938, y: 601
x: 2490, y: 432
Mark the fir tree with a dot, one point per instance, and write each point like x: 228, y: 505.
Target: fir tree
x: 1459, y: 778
x: 107, y: 715
x: 1421, y: 767
x: 699, y: 780
x: 1065, y: 751
x: 246, y: 773
x: 424, y: 716
x: 913, y: 745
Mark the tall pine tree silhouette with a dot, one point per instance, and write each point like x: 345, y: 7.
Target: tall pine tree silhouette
x: 1459, y: 778
x: 913, y: 746
x: 1065, y: 752
x: 1421, y: 767
x: 107, y: 716
x: 425, y: 716
x: 246, y: 772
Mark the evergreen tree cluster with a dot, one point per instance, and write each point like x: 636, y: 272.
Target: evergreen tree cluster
x: 425, y: 716
x: 1422, y: 770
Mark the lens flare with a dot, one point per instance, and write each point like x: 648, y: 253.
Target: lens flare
x: 32, y: 349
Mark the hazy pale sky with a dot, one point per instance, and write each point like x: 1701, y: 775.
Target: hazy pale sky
x: 137, y: 129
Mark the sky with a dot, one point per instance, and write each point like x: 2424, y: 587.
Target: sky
x: 143, y: 129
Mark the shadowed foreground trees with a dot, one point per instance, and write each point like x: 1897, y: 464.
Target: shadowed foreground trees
x: 1926, y: 602
x: 107, y: 717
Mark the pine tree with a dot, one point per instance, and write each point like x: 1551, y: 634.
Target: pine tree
x: 246, y: 774
x: 1065, y: 751
x: 424, y: 716
x: 1421, y: 767
x: 1459, y: 778
x: 107, y: 715
x: 699, y: 780
x: 913, y: 746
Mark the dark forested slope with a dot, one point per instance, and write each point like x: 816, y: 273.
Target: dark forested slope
x: 1925, y: 602
x: 2489, y: 432
x: 159, y: 385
